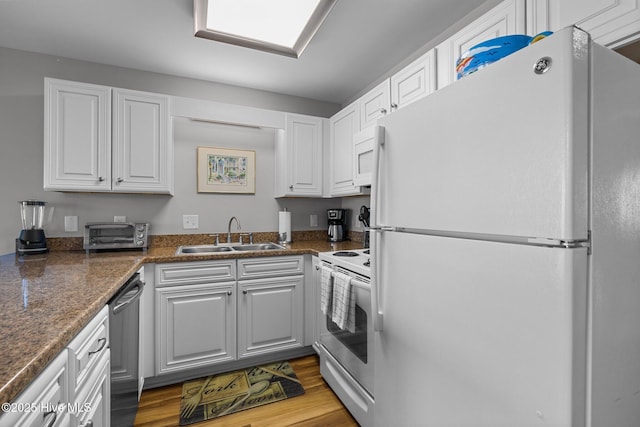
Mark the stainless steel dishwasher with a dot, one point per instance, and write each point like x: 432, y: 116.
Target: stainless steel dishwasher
x: 124, y: 324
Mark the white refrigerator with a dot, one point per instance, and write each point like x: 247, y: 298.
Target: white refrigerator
x: 506, y: 245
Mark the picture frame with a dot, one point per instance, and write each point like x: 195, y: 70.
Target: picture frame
x: 225, y: 170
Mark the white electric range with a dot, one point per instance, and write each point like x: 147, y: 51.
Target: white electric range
x: 346, y: 357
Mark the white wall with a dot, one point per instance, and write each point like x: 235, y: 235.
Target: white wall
x: 21, y: 153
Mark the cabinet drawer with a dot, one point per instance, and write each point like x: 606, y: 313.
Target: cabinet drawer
x: 195, y: 272
x: 256, y: 268
x: 36, y: 405
x: 87, y: 348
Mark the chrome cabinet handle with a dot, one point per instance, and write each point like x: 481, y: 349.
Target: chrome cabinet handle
x: 51, y: 421
x: 119, y: 180
x: 103, y: 342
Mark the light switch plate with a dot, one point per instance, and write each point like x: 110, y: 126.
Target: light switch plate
x: 189, y: 222
x: 313, y: 220
x: 70, y: 223
x: 119, y: 218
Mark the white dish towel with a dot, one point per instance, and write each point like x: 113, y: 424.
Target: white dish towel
x: 344, y: 302
x: 326, y: 289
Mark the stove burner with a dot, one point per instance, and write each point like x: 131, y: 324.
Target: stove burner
x: 345, y: 253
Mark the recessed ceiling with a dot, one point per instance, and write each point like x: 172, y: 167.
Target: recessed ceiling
x: 359, y: 41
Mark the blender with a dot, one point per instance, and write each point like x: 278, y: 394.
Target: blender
x: 31, y: 239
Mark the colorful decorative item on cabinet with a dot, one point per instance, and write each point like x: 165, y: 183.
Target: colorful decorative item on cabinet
x: 489, y: 51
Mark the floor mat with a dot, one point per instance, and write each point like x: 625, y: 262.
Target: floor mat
x: 222, y: 394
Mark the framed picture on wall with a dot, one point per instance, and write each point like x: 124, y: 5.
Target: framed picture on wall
x: 224, y: 170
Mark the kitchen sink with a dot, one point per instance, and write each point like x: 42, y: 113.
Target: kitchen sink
x: 211, y: 249
x: 257, y: 247
x: 202, y: 249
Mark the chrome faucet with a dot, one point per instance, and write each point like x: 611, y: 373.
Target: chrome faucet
x: 229, y: 228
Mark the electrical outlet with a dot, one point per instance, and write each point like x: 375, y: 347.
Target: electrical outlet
x: 70, y: 223
x: 313, y: 219
x: 189, y: 222
x: 119, y: 218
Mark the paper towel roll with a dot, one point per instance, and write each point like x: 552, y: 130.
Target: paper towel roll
x: 284, y: 224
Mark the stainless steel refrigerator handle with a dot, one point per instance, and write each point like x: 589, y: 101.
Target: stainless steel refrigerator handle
x: 119, y: 306
x: 376, y: 229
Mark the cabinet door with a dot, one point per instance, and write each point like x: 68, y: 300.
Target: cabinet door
x: 415, y: 81
x: 343, y: 127
x: 612, y: 23
x: 505, y: 19
x: 270, y: 315
x: 77, y: 137
x: 304, y: 154
x: 94, y: 406
x: 195, y: 326
x: 375, y: 104
x: 142, y: 148
x: 44, y: 396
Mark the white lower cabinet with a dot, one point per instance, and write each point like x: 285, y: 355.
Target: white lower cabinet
x: 44, y: 401
x: 74, y: 389
x: 195, y: 326
x: 212, y: 312
x: 93, y: 407
x: 270, y: 315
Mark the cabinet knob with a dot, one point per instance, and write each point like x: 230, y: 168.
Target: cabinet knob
x: 291, y: 187
x: 119, y: 180
x: 317, y: 267
x: 394, y: 106
x: 101, y: 178
x: 229, y: 293
x: 245, y: 292
x: 383, y: 111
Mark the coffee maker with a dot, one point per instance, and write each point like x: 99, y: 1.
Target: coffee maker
x: 31, y: 239
x: 337, y: 220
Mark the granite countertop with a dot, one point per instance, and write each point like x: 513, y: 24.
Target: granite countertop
x: 47, y: 299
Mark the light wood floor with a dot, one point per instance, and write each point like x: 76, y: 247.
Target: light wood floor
x: 318, y: 406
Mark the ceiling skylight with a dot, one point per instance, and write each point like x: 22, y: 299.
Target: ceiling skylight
x: 284, y: 27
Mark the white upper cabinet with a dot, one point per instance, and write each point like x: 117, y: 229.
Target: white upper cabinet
x: 142, y: 159
x: 77, y: 136
x: 612, y: 23
x: 343, y: 127
x: 375, y: 104
x: 414, y: 81
x: 99, y: 139
x: 299, y: 150
x: 505, y: 19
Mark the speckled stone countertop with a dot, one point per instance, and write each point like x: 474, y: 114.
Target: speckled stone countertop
x: 45, y: 300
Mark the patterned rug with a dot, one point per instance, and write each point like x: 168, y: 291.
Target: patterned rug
x: 222, y: 394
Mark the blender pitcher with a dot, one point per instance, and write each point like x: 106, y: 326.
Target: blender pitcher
x: 33, y: 214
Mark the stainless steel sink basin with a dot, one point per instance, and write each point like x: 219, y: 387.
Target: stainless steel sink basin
x: 257, y: 247
x: 210, y: 249
x: 202, y: 249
